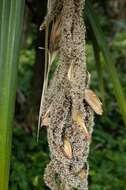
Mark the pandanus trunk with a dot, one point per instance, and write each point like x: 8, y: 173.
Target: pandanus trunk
x: 68, y: 104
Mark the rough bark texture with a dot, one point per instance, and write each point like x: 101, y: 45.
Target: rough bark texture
x: 65, y: 104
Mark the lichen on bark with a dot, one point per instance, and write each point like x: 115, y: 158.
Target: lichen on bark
x: 68, y: 116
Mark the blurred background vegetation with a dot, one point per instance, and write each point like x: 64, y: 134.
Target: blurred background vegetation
x: 107, y: 156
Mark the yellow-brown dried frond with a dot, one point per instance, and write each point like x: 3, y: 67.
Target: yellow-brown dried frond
x: 79, y: 120
x: 92, y: 99
x: 82, y: 174
x: 67, y: 148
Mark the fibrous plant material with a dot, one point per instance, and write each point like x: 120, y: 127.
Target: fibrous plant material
x: 68, y: 106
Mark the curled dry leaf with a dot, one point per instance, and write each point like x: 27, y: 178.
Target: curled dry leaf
x: 82, y: 174
x: 93, y: 101
x: 79, y: 120
x: 67, y: 148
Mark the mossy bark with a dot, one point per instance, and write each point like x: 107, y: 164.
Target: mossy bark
x: 70, y: 118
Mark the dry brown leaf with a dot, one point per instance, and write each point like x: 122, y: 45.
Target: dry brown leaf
x: 67, y: 148
x: 79, y: 120
x: 82, y: 174
x: 93, y: 101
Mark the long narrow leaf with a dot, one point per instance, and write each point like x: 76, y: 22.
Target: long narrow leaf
x: 118, y: 91
x: 99, y: 67
x: 11, y: 14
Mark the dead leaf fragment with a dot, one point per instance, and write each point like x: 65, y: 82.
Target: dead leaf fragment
x: 79, y: 120
x: 82, y: 174
x: 93, y: 101
x: 67, y: 148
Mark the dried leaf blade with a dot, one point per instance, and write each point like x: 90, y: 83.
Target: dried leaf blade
x: 67, y: 148
x: 93, y: 101
x: 79, y: 120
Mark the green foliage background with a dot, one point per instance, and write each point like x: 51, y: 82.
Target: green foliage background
x: 107, y: 156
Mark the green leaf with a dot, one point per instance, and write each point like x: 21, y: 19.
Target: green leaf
x: 109, y: 62
x: 11, y: 14
x: 100, y: 71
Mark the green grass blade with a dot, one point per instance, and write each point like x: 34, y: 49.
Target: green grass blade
x: 11, y: 14
x: 118, y: 91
